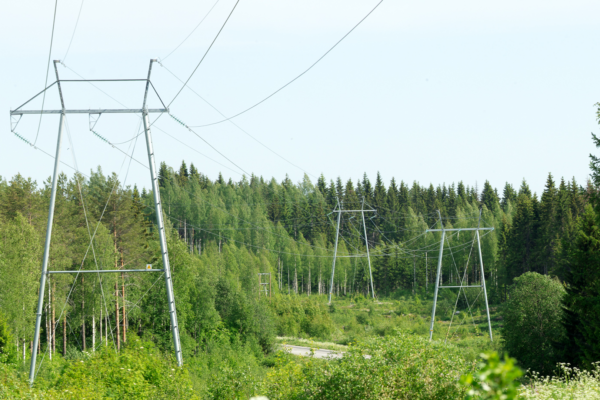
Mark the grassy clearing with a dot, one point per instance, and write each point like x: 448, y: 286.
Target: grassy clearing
x: 303, y: 320
x: 282, y: 340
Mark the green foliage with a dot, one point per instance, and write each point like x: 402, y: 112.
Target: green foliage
x: 582, y: 302
x: 302, y: 317
x: 7, y: 350
x: 20, y: 254
x: 139, y: 371
x: 494, y: 379
x: 400, y: 366
x: 222, y: 234
x: 532, y: 321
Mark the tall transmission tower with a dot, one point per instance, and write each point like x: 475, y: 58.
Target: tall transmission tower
x: 461, y: 286
x: 144, y: 111
x: 340, y: 209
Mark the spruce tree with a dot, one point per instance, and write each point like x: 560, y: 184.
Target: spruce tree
x: 461, y: 192
x: 548, y: 241
x: 367, y: 189
x: 339, y: 188
x: 521, y: 239
x: 163, y: 174
x: 582, y: 302
x: 322, y: 185
x: 509, y: 195
x: 489, y: 198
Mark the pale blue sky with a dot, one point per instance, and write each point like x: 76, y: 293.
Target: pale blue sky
x: 433, y: 91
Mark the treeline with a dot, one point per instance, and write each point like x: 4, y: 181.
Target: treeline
x: 531, y: 233
x: 226, y: 233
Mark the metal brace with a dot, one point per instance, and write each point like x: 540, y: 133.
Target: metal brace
x: 94, y: 117
x: 14, y: 121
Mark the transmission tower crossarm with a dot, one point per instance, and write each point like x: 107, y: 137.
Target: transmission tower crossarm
x: 91, y: 111
x: 104, y: 271
x: 460, y: 229
x: 353, y: 211
x: 459, y: 287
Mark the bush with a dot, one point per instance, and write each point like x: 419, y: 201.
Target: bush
x: 138, y: 371
x: 401, y: 366
x: 495, y: 379
x: 532, y: 321
x: 296, y: 316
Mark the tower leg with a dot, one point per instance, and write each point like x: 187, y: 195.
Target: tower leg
x: 163, y: 240
x: 337, y: 234
x: 367, y: 244
x: 437, y: 284
x: 437, y: 278
x: 487, y: 307
x: 38, y: 315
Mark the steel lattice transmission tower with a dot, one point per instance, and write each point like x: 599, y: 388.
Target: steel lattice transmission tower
x: 439, y: 270
x: 339, y: 209
x: 144, y: 111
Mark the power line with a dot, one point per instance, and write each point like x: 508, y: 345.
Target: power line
x: 47, y: 70
x: 194, y: 30
x: 205, y: 141
x: 204, y: 56
x: 193, y: 149
x: 297, y: 77
x: 74, y: 30
x: 237, y: 126
x: 375, y: 251
x: 176, y: 119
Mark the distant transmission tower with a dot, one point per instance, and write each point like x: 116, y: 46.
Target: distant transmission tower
x: 439, y: 269
x: 157, y: 203
x: 339, y: 209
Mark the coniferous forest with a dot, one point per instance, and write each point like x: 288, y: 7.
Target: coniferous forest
x: 109, y: 335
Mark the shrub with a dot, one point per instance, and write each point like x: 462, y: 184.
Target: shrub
x: 495, y: 379
x: 401, y: 366
x: 297, y: 316
x: 532, y: 321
